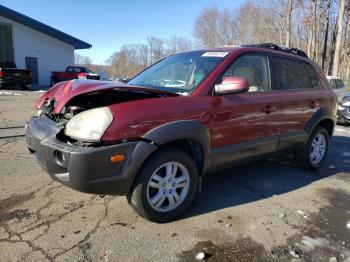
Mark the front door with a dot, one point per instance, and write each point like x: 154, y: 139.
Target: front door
x: 32, y: 64
x: 246, y: 125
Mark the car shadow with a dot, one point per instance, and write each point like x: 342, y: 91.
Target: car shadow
x: 263, y: 179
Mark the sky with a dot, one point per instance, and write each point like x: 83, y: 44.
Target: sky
x: 109, y: 24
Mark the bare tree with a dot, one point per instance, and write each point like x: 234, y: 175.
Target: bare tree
x: 325, y: 40
x: 82, y: 60
x: 156, y: 48
x: 178, y: 44
x: 205, y: 27
x: 133, y: 58
x: 228, y: 29
x: 289, y: 19
x: 341, y: 8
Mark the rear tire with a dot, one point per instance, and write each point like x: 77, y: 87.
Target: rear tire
x: 165, y: 186
x: 314, y: 153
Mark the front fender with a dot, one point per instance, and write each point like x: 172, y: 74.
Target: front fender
x: 179, y: 130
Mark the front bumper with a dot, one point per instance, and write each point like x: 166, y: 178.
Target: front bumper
x: 344, y: 115
x: 85, y: 169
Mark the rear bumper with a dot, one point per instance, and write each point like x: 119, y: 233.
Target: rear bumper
x: 85, y: 169
x: 14, y: 81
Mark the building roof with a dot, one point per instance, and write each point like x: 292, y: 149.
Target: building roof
x: 43, y: 28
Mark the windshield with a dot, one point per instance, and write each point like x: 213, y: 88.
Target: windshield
x: 180, y: 73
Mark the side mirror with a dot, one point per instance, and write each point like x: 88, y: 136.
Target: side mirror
x: 232, y: 85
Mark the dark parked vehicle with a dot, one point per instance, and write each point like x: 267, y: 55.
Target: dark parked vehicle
x: 153, y: 138
x: 343, y: 112
x: 73, y: 72
x: 10, y: 75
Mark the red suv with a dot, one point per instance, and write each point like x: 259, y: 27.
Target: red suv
x: 153, y: 138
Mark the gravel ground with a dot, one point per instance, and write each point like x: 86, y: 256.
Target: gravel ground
x: 266, y: 211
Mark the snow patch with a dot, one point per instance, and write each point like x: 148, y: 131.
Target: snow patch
x: 304, y: 214
x: 5, y: 93
x: 308, y: 244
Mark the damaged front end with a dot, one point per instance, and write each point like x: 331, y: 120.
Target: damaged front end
x: 85, y: 115
x: 66, y: 139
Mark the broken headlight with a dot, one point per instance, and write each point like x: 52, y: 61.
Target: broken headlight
x: 90, y: 125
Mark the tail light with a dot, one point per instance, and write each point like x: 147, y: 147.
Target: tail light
x: 1, y: 73
x: 82, y: 76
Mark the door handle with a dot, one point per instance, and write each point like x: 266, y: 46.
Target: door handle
x: 268, y: 109
x: 313, y: 104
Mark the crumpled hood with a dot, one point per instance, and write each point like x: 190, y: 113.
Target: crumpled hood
x: 63, y: 92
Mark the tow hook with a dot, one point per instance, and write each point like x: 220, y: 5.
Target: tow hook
x: 102, y: 196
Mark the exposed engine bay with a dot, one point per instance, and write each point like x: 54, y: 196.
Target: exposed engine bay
x: 95, y: 99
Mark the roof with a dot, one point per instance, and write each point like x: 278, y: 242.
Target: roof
x: 43, y: 28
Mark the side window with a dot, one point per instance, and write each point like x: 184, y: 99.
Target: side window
x: 255, y: 68
x: 77, y: 70
x: 289, y: 74
x: 313, y: 77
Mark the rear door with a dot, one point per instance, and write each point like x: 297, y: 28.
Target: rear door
x: 244, y: 125
x: 294, y: 82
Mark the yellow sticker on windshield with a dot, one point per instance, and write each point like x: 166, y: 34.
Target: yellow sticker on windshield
x: 215, y: 54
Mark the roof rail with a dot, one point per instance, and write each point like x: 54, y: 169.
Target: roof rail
x: 294, y: 51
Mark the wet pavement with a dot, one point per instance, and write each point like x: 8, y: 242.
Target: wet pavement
x: 266, y: 211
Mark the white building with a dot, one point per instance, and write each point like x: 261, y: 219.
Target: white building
x: 35, y: 45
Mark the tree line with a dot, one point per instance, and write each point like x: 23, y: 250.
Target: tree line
x: 133, y: 58
x: 319, y: 27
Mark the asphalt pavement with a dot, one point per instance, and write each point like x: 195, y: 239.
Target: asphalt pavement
x: 265, y: 211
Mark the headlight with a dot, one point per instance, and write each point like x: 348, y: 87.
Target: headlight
x: 89, y: 125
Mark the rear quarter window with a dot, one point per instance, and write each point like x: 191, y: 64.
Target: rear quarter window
x: 311, y: 73
x: 292, y: 74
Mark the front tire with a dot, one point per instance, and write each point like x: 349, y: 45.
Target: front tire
x: 313, y: 155
x: 165, y: 186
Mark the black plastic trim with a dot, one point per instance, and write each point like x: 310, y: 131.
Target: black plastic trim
x: 324, y: 113
x: 244, y: 152
x: 183, y: 129
x: 292, y: 140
